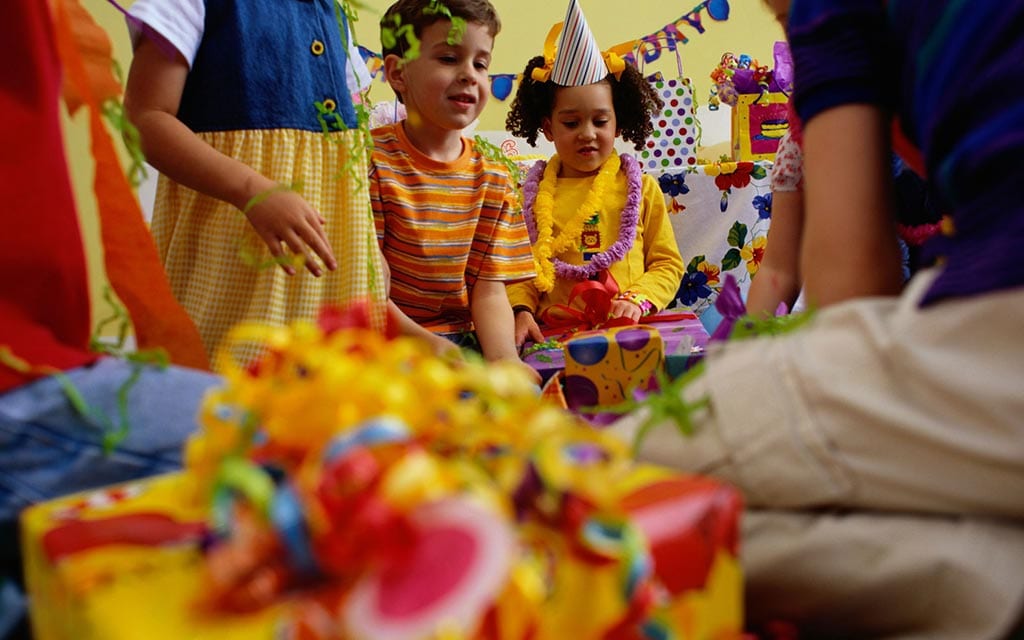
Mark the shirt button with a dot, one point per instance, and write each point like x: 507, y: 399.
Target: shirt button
x: 317, y: 48
x: 330, y: 105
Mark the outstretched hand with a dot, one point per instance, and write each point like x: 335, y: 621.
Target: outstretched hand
x: 287, y: 223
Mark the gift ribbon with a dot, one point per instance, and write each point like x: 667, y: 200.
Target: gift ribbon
x: 730, y: 305
x: 589, y: 305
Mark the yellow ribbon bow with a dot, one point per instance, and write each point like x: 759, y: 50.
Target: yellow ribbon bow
x: 613, y: 58
x: 543, y: 74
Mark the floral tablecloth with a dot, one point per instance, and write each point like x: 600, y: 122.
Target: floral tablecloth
x: 720, y: 213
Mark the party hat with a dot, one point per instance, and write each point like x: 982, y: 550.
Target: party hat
x: 578, y: 61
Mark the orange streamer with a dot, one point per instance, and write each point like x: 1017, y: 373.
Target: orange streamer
x: 130, y: 255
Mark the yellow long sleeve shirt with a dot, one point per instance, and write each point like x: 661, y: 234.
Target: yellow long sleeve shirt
x: 653, y: 267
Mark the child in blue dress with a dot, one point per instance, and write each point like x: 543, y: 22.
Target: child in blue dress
x: 245, y: 109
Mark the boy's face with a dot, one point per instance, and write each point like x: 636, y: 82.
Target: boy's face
x: 583, y: 128
x: 446, y: 87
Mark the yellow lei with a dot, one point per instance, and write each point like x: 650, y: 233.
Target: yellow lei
x: 546, y: 247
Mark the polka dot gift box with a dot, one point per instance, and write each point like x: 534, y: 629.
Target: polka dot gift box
x: 603, y: 366
x: 673, y: 143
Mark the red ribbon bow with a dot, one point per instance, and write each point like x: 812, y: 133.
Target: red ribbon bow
x: 588, y: 307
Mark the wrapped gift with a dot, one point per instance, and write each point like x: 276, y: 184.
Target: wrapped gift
x: 127, y: 562
x: 122, y: 563
x: 547, y: 358
x: 759, y: 98
x: 602, y: 367
x: 759, y: 120
x: 432, y: 499
x: 552, y: 391
x: 682, y: 334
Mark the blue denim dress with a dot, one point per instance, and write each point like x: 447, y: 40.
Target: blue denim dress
x: 268, y: 88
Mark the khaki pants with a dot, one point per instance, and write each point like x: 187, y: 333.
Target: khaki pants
x: 881, y: 454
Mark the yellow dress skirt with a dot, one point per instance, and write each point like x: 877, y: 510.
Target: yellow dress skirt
x: 222, y: 272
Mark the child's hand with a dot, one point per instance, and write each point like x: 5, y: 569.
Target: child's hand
x: 285, y: 219
x: 443, y: 347
x: 625, y: 309
x: 526, y: 327
x: 533, y: 374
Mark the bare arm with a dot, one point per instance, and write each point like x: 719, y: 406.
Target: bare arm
x: 409, y: 327
x: 495, y: 325
x: 153, y: 96
x: 492, y: 316
x: 778, y: 278
x: 849, y: 248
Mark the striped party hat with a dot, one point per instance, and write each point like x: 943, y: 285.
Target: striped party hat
x: 578, y: 61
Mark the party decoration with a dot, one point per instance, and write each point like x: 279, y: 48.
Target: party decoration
x: 130, y: 256
x: 672, y: 34
x: 759, y: 98
x: 577, y: 57
x: 648, y: 47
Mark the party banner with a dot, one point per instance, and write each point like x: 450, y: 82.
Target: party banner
x: 649, y: 46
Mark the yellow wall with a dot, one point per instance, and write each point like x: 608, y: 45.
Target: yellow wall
x: 749, y: 29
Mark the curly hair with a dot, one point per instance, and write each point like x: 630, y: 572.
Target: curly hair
x: 634, y: 100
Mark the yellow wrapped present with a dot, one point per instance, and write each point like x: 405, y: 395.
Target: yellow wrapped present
x: 603, y: 366
x: 452, y: 502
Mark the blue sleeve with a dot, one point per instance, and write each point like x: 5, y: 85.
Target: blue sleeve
x: 841, y: 54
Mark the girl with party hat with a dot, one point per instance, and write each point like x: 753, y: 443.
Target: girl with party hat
x: 591, y: 213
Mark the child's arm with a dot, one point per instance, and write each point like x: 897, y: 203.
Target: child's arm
x: 663, y: 266
x: 495, y: 326
x: 282, y: 219
x: 849, y: 248
x: 409, y: 327
x: 778, y: 278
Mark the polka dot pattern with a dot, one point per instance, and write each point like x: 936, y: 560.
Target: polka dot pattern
x: 673, y: 143
x: 602, y: 367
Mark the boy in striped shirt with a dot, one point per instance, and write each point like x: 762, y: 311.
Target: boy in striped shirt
x: 447, y: 218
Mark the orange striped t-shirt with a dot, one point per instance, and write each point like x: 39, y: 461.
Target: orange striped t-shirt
x: 443, y: 225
